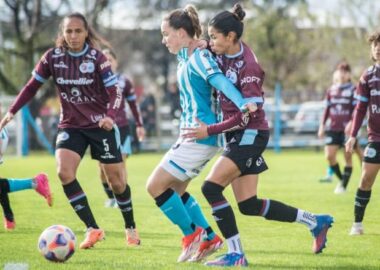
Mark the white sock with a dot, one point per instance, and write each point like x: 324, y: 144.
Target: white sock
x: 234, y: 244
x: 306, y: 218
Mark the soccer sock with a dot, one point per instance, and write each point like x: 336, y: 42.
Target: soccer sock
x: 78, y: 201
x: 337, y: 171
x: 124, y: 201
x: 195, y: 213
x: 330, y: 172
x: 171, y: 205
x: 269, y: 209
x: 20, y: 184
x: 346, y: 176
x: 306, y: 218
x: 221, y: 209
x: 108, y: 190
x: 361, y: 200
x: 234, y: 244
x: 4, y: 199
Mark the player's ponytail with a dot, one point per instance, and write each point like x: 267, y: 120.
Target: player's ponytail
x: 226, y: 21
x: 187, y: 19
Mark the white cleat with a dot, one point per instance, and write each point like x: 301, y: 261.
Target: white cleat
x: 357, y: 228
x: 110, y: 203
x: 340, y: 189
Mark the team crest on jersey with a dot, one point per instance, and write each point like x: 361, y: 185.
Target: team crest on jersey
x: 239, y: 64
x: 231, y: 75
x: 87, y: 67
x: 57, y: 51
x: 93, y: 52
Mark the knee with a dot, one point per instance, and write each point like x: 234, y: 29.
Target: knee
x: 210, y: 189
x: 251, y: 207
x: 65, y: 176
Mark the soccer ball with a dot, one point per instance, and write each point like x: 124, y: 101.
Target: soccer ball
x: 57, y: 243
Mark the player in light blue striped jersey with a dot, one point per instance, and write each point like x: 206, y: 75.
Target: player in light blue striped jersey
x: 197, y: 73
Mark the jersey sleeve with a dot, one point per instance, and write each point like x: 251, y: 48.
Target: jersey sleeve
x: 131, y: 98
x: 362, y: 95
x: 204, y: 64
x: 42, y: 70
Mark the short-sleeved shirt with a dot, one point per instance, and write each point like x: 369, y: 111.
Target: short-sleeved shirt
x: 368, y: 91
x: 193, y: 73
x: 81, y: 80
x: 340, y: 105
x: 244, y: 71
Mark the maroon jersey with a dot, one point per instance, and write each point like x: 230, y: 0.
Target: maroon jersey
x: 368, y: 96
x: 129, y: 95
x: 86, y: 86
x: 340, y: 105
x: 244, y: 71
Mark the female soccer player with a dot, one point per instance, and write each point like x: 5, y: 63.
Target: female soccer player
x: 121, y: 121
x: 368, y: 95
x: 196, y: 73
x: 242, y: 160
x: 338, y: 112
x: 90, y: 100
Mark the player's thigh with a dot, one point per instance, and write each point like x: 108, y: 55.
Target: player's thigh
x: 245, y: 187
x: 159, y: 181
x: 223, y: 171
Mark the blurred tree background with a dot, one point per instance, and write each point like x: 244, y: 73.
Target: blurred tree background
x: 291, y: 43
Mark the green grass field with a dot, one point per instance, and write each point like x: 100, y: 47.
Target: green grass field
x: 292, y: 178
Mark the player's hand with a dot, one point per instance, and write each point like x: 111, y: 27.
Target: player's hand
x: 198, y: 132
x: 200, y: 44
x: 106, y: 123
x: 6, y: 119
x: 321, y: 131
x: 250, y: 107
x: 350, y: 144
x: 140, y: 132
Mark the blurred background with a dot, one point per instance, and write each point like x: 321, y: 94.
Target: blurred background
x: 298, y: 44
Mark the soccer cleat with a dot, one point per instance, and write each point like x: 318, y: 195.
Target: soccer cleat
x: 42, y: 187
x: 206, y: 248
x: 357, y: 228
x: 190, y: 244
x: 9, y: 225
x: 132, y: 237
x: 92, y: 237
x: 324, y: 222
x: 229, y: 259
x: 340, y: 189
x: 326, y: 179
x: 110, y: 203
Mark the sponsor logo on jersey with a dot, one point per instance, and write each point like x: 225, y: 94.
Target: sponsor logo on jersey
x: 75, y: 97
x: 239, y: 64
x: 375, y: 109
x: 105, y: 64
x: 95, y: 118
x: 250, y: 79
x: 87, y: 67
x: 80, y: 81
x: 61, y: 64
x: 90, y: 56
x: 340, y: 101
x: 374, y: 92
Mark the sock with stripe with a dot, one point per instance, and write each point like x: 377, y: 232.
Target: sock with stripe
x: 234, y: 244
x: 346, y: 176
x: 78, y: 201
x: 4, y: 199
x: 124, y: 201
x: 196, y: 214
x: 336, y: 170
x: 108, y: 190
x: 361, y: 200
x: 171, y: 205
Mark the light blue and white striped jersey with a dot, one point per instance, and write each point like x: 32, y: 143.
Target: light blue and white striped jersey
x: 195, y: 92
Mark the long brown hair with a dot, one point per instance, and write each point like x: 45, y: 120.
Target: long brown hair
x: 187, y: 19
x: 93, y: 38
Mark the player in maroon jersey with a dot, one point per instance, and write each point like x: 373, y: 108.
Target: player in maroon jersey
x: 121, y: 121
x: 242, y: 160
x: 337, y: 115
x: 368, y: 96
x: 90, y: 99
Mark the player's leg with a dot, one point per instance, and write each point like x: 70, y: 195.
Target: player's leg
x: 110, y: 201
x: 9, y: 221
x: 347, y: 169
x: 363, y: 195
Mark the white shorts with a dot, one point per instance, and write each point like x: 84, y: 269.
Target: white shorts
x: 185, y: 160
x: 3, y: 143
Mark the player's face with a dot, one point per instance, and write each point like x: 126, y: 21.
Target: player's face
x: 170, y: 37
x: 375, y: 50
x: 112, y: 60
x: 219, y: 43
x: 74, y: 33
